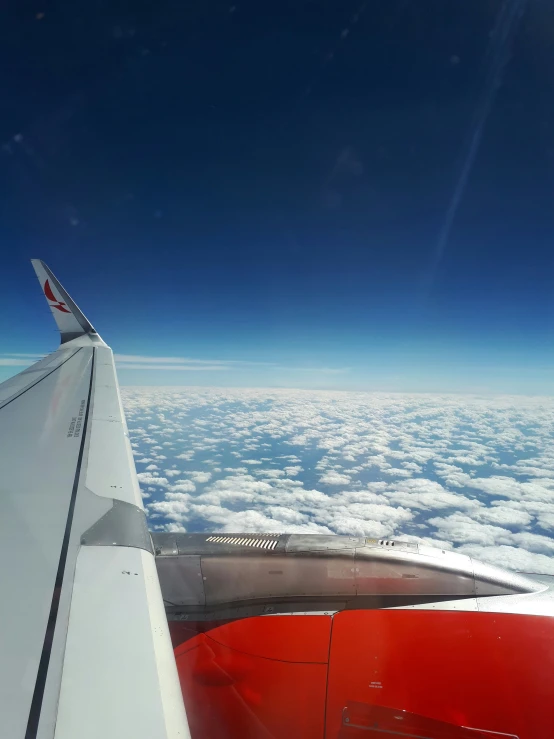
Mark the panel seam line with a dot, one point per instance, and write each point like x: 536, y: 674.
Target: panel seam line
x: 42, y: 672
x: 30, y: 387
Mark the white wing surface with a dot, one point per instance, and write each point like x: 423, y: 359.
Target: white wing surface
x: 84, y: 644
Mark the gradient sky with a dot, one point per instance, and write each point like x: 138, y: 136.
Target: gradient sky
x: 263, y: 187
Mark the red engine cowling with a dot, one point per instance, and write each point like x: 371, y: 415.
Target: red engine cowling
x: 413, y: 673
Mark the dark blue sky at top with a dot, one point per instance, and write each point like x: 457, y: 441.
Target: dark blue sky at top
x: 268, y: 181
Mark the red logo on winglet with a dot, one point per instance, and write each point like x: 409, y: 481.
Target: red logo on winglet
x: 54, y: 302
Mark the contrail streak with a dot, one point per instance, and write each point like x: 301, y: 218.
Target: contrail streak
x: 496, y: 58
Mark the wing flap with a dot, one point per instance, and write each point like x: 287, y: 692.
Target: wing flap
x: 107, y: 403
x: 112, y: 586
x: 111, y: 468
x: 109, y: 472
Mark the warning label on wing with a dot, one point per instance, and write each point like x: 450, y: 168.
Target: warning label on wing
x: 77, y: 422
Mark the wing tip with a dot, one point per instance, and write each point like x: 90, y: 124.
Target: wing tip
x: 71, y: 322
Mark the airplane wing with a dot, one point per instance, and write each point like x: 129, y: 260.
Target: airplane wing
x: 84, y: 645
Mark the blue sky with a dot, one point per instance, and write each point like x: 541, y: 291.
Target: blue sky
x: 262, y: 191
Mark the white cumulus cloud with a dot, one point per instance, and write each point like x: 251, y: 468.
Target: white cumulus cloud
x: 467, y: 472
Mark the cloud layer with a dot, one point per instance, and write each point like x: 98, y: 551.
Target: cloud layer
x: 472, y: 473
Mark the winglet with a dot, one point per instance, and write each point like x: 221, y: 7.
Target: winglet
x: 71, y: 322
